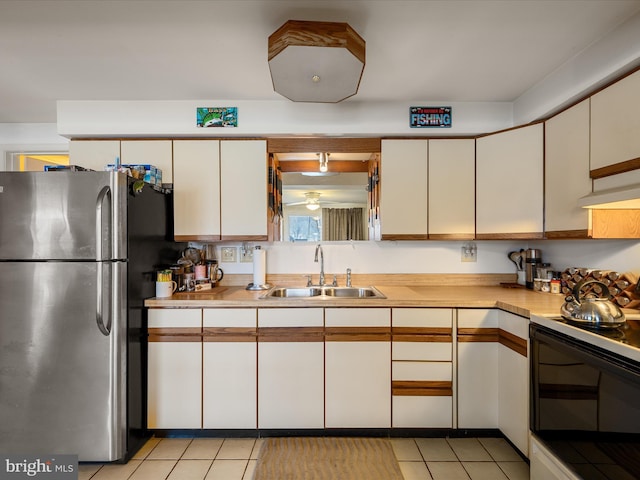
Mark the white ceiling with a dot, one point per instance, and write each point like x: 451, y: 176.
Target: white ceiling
x: 451, y: 50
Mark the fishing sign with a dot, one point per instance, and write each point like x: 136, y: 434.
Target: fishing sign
x: 217, y: 117
x: 430, y: 117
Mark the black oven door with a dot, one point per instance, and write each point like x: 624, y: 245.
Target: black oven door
x: 585, y: 405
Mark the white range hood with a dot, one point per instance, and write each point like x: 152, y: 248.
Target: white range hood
x: 615, y: 198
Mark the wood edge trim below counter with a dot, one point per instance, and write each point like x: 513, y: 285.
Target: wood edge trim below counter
x: 509, y: 340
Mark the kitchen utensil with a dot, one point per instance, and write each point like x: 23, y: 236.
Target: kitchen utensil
x: 516, y: 259
x: 521, y: 261
x: 192, y: 254
x: 592, y: 312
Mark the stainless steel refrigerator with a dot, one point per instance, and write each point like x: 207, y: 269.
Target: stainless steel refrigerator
x: 78, y: 252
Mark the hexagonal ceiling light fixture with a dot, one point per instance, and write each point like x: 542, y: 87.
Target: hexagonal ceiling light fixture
x: 316, y: 61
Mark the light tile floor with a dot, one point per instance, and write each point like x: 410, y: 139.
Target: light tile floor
x: 235, y: 459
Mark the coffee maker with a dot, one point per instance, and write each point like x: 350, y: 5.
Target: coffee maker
x: 533, y: 258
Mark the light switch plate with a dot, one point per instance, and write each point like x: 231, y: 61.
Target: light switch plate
x: 229, y: 255
x: 246, y: 255
x: 469, y: 252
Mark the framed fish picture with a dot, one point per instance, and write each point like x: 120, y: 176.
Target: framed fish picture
x: 207, y: 117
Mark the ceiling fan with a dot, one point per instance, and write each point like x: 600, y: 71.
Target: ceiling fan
x: 312, y: 201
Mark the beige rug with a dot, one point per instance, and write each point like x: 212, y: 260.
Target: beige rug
x: 327, y: 458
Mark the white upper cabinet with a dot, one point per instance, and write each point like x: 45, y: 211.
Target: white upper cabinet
x: 452, y: 189
x: 509, y: 184
x: 243, y: 173
x: 149, y: 152
x: 196, y: 189
x: 93, y: 154
x: 403, y: 180
x: 615, y: 123
x: 567, y: 172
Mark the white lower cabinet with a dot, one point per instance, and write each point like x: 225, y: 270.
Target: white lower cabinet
x: 545, y: 466
x: 422, y: 368
x: 357, y: 368
x: 229, y: 368
x: 175, y: 369
x: 290, y: 368
x: 477, y: 349
x: 513, y: 379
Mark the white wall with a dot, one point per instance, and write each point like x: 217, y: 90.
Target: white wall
x: 77, y: 119
x: 602, y: 62
x: 440, y: 257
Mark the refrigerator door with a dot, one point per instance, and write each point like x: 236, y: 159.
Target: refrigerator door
x: 62, y: 379
x: 62, y: 215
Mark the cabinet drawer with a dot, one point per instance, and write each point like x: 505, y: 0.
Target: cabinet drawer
x: 422, y: 317
x: 176, y: 318
x: 478, y: 318
x: 358, y: 317
x: 426, y: 351
x: 228, y: 317
x: 421, y: 371
x: 290, y: 317
x: 422, y: 412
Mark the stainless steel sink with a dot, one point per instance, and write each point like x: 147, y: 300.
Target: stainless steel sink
x: 353, y: 292
x: 286, y: 292
x: 326, y: 292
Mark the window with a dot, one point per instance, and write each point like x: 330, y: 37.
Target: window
x: 304, y: 228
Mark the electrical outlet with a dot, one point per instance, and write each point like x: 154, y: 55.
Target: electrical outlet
x: 229, y: 255
x: 246, y: 255
x: 469, y: 252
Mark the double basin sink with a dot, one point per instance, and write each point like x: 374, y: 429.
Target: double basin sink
x: 326, y: 291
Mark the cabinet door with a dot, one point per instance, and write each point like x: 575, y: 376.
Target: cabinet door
x: 477, y: 367
x: 358, y: 368
x: 403, y: 181
x: 615, y: 123
x: 509, y: 184
x: 452, y: 187
x: 422, y: 368
x: 567, y: 173
x: 175, y: 369
x: 243, y: 167
x: 196, y: 189
x: 151, y: 152
x: 290, y: 368
x: 93, y: 154
x: 229, y: 368
x: 513, y: 379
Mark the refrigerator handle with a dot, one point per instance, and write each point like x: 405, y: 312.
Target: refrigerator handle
x: 105, y: 329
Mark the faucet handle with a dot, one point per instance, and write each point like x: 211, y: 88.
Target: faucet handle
x: 335, y: 281
x: 308, y: 280
x: 348, y: 277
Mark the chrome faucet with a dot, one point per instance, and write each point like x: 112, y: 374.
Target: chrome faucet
x: 315, y: 259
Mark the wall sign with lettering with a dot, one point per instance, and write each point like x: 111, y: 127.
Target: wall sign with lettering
x: 430, y: 117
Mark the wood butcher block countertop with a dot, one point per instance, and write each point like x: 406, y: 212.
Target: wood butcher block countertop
x: 519, y: 301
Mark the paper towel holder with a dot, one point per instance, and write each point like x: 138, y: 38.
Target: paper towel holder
x: 256, y: 286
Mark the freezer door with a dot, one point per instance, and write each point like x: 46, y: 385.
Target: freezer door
x: 62, y: 380
x: 62, y: 215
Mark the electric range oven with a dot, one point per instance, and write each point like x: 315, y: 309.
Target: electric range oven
x: 585, y: 401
